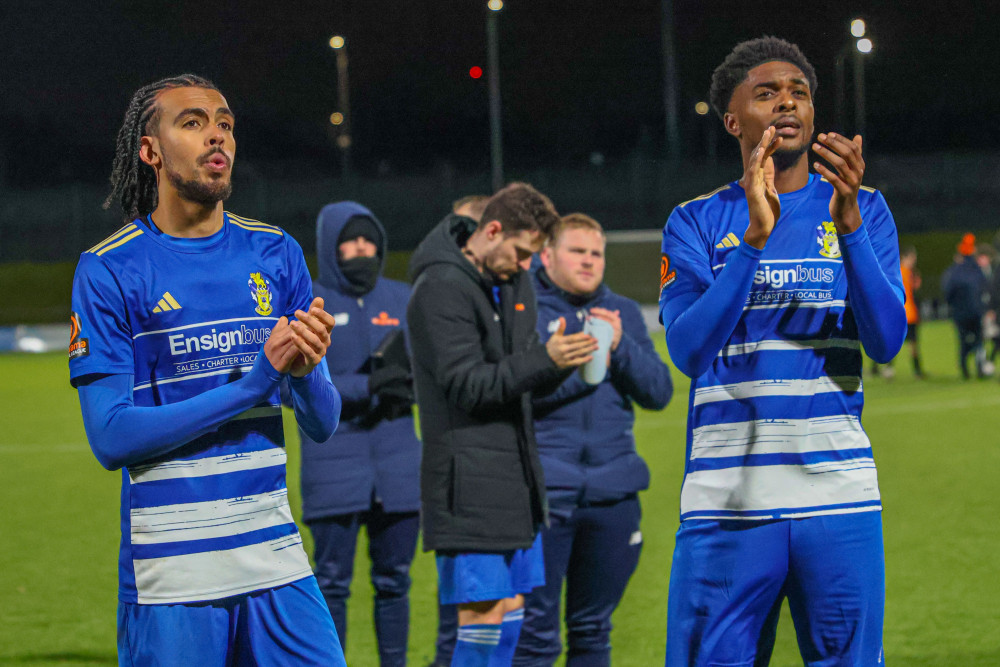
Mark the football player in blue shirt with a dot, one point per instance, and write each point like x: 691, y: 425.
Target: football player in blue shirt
x: 185, y: 323
x: 770, y: 286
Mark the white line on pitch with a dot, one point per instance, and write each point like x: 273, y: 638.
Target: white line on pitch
x: 954, y: 404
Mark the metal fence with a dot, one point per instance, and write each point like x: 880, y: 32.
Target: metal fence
x: 925, y: 192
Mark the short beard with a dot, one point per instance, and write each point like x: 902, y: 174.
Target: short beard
x: 206, y: 194
x: 494, y: 275
x: 786, y: 159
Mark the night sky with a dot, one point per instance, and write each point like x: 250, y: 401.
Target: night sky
x: 576, y: 77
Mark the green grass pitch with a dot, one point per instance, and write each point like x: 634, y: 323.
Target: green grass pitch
x: 937, y: 443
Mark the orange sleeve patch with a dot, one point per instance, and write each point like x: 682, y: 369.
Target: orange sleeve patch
x: 666, y: 275
x: 78, y: 347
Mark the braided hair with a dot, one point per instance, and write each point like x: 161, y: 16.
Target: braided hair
x: 133, y: 182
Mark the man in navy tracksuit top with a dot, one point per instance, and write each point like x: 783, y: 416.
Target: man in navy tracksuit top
x: 368, y: 472
x: 585, y: 442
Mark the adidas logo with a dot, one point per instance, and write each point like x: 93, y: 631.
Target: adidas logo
x: 729, y: 242
x: 166, y: 303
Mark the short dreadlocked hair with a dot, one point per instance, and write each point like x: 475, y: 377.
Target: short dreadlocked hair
x: 747, y: 55
x: 517, y: 207
x: 133, y: 182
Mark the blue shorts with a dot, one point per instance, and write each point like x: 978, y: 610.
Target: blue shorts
x: 728, y: 580
x: 289, y: 625
x: 477, y: 577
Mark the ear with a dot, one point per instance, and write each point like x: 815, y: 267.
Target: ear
x: 732, y: 124
x: 492, y: 229
x: 545, y: 254
x: 149, y: 151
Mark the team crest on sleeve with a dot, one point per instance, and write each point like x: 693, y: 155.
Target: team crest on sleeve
x: 78, y: 347
x: 667, y: 275
x: 260, y: 292
x: 826, y: 237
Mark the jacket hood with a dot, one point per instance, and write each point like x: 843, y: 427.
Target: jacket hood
x: 444, y: 246
x: 331, y: 221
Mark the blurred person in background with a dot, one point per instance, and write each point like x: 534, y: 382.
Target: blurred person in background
x: 911, y: 283
x: 592, y: 471
x: 987, y: 257
x: 965, y: 290
x: 770, y: 286
x: 477, y: 360
x: 368, y: 472
x: 470, y: 206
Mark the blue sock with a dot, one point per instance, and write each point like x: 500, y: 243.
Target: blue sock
x: 510, y: 631
x: 475, y: 645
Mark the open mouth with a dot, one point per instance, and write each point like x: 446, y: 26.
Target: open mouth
x: 787, y: 126
x: 217, y: 162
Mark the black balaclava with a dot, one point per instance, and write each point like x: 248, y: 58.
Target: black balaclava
x: 361, y: 272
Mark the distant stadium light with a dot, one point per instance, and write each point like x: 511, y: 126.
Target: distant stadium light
x: 495, y: 5
x: 336, y: 42
x: 865, y: 45
x: 336, y: 118
x: 476, y: 72
x: 701, y: 108
x: 858, y: 28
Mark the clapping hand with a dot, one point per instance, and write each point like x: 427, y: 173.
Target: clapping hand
x: 570, y: 351
x: 762, y: 196
x: 298, y: 346
x: 845, y: 156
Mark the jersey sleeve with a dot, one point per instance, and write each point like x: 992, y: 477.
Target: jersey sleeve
x: 685, y: 271
x: 885, y: 242
x: 874, y: 282
x: 699, y: 311
x: 300, y: 283
x: 122, y: 434
x: 100, y: 336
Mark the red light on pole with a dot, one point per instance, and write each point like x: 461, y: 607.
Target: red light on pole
x: 476, y: 72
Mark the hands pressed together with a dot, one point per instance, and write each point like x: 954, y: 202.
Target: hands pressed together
x: 845, y: 177
x: 296, y: 347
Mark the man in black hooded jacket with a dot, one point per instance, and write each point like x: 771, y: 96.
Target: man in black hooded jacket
x: 477, y: 359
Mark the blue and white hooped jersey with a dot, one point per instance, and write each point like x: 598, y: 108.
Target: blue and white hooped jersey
x: 184, y: 316
x: 774, y: 425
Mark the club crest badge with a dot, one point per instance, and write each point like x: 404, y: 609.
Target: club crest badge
x: 260, y: 292
x: 826, y: 238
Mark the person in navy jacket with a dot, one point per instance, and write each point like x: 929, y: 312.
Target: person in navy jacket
x: 368, y: 472
x: 587, y: 449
